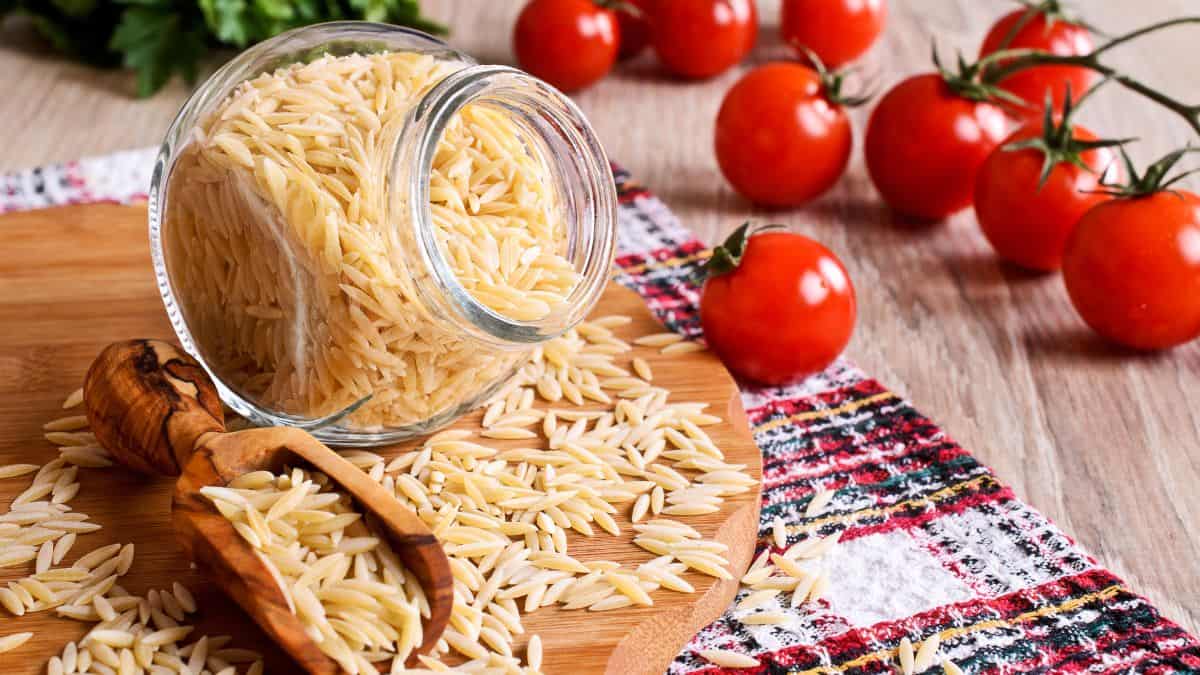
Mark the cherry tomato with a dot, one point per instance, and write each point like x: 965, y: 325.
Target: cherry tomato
x: 783, y: 312
x: 701, y: 38
x: 568, y: 43
x: 925, y: 143
x: 1132, y: 268
x: 634, y: 27
x: 1028, y: 222
x: 837, y: 31
x: 779, y: 140
x: 1058, y: 37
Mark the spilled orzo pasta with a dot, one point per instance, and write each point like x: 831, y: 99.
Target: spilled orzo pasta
x: 132, y: 634
x: 596, y: 442
x: 586, y: 439
x: 292, y: 272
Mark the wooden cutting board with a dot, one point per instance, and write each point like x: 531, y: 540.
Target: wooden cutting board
x: 74, y: 279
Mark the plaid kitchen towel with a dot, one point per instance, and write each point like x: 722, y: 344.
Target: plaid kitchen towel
x: 931, y: 542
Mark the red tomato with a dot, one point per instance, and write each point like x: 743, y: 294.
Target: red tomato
x: 783, y: 313
x: 568, y: 43
x: 701, y: 38
x: 1059, y: 37
x: 837, y: 31
x: 1026, y: 222
x: 925, y: 143
x: 779, y: 140
x: 634, y: 27
x: 1132, y: 268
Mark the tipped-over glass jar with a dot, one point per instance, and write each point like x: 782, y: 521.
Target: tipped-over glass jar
x: 360, y: 231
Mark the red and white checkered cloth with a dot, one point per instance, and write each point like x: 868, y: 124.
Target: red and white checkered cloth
x: 932, y: 542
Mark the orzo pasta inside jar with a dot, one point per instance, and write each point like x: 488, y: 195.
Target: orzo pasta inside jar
x: 360, y: 230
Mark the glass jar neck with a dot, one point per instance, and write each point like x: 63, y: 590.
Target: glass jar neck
x: 582, y: 182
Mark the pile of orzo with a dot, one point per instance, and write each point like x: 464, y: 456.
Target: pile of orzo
x: 587, y: 440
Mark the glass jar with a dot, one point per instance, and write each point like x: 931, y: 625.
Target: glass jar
x: 362, y: 232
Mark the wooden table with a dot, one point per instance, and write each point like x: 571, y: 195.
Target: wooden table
x: 1106, y: 443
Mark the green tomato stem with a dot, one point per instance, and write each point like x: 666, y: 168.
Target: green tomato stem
x: 1023, y: 60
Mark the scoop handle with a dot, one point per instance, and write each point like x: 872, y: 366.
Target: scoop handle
x: 149, y: 403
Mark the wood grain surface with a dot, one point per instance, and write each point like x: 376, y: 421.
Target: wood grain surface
x: 61, y: 304
x: 1106, y: 443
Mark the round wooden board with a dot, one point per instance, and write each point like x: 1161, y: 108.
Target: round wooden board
x: 77, y: 278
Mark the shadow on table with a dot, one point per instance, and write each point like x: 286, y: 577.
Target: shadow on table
x: 1079, y: 344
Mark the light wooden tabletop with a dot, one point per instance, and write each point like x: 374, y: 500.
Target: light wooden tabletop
x: 1106, y: 443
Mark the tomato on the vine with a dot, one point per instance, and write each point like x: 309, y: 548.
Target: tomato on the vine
x: 837, y: 31
x: 925, y: 143
x: 702, y: 38
x: 776, y: 306
x: 568, y: 43
x: 782, y: 136
x: 1033, y: 189
x: 1132, y: 265
x: 1043, y: 28
x: 633, y: 21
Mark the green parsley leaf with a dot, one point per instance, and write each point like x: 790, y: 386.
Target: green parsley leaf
x: 157, y: 43
x: 158, y: 39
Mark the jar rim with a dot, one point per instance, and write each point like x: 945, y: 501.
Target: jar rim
x: 590, y: 195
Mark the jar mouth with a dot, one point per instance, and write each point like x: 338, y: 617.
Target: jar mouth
x: 576, y: 161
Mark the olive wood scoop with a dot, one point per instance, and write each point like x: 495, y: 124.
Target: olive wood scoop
x: 156, y: 411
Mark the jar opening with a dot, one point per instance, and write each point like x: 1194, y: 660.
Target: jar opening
x: 555, y: 133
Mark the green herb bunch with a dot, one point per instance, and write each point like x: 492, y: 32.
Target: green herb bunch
x: 161, y: 38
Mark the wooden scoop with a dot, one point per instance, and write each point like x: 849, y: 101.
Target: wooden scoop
x: 156, y: 411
